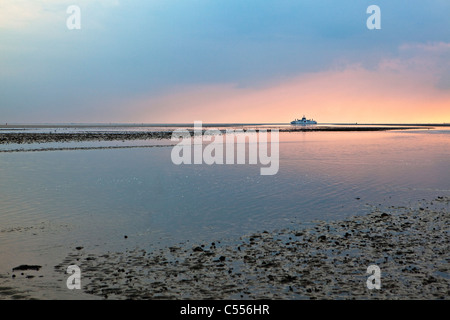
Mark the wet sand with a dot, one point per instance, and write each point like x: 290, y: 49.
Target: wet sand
x: 322, y: 260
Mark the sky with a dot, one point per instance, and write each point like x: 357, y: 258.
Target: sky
x: 224, y: 61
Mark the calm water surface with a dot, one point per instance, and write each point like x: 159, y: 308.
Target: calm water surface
x: 53, y: 201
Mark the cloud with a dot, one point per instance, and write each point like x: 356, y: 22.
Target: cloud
x: 429, y: 57
x: 20, y: 14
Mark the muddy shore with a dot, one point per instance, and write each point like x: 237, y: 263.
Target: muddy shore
x: 325, y: 260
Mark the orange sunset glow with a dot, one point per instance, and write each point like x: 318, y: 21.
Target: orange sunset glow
x: 349, y: 96
x: 396, y: 91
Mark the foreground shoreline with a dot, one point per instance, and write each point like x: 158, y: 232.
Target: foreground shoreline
x: 318, y: 260
x: 326, y: 260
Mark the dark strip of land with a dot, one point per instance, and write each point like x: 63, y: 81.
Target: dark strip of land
x: 45, y: 137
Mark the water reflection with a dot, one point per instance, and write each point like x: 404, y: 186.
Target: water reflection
x: 92, y: 198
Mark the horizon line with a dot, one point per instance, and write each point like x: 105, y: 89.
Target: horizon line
x: 144, y: 124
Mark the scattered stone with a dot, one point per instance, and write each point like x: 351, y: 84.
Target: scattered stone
x: 25, y: 267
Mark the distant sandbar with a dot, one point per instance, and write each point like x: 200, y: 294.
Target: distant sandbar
x: 44, y: 137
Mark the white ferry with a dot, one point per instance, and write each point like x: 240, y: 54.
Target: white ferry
x: 304, y: 121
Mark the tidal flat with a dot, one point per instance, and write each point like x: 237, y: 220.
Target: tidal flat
x: 322, y: 260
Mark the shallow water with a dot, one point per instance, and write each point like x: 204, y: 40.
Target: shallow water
x: 54, y: 201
